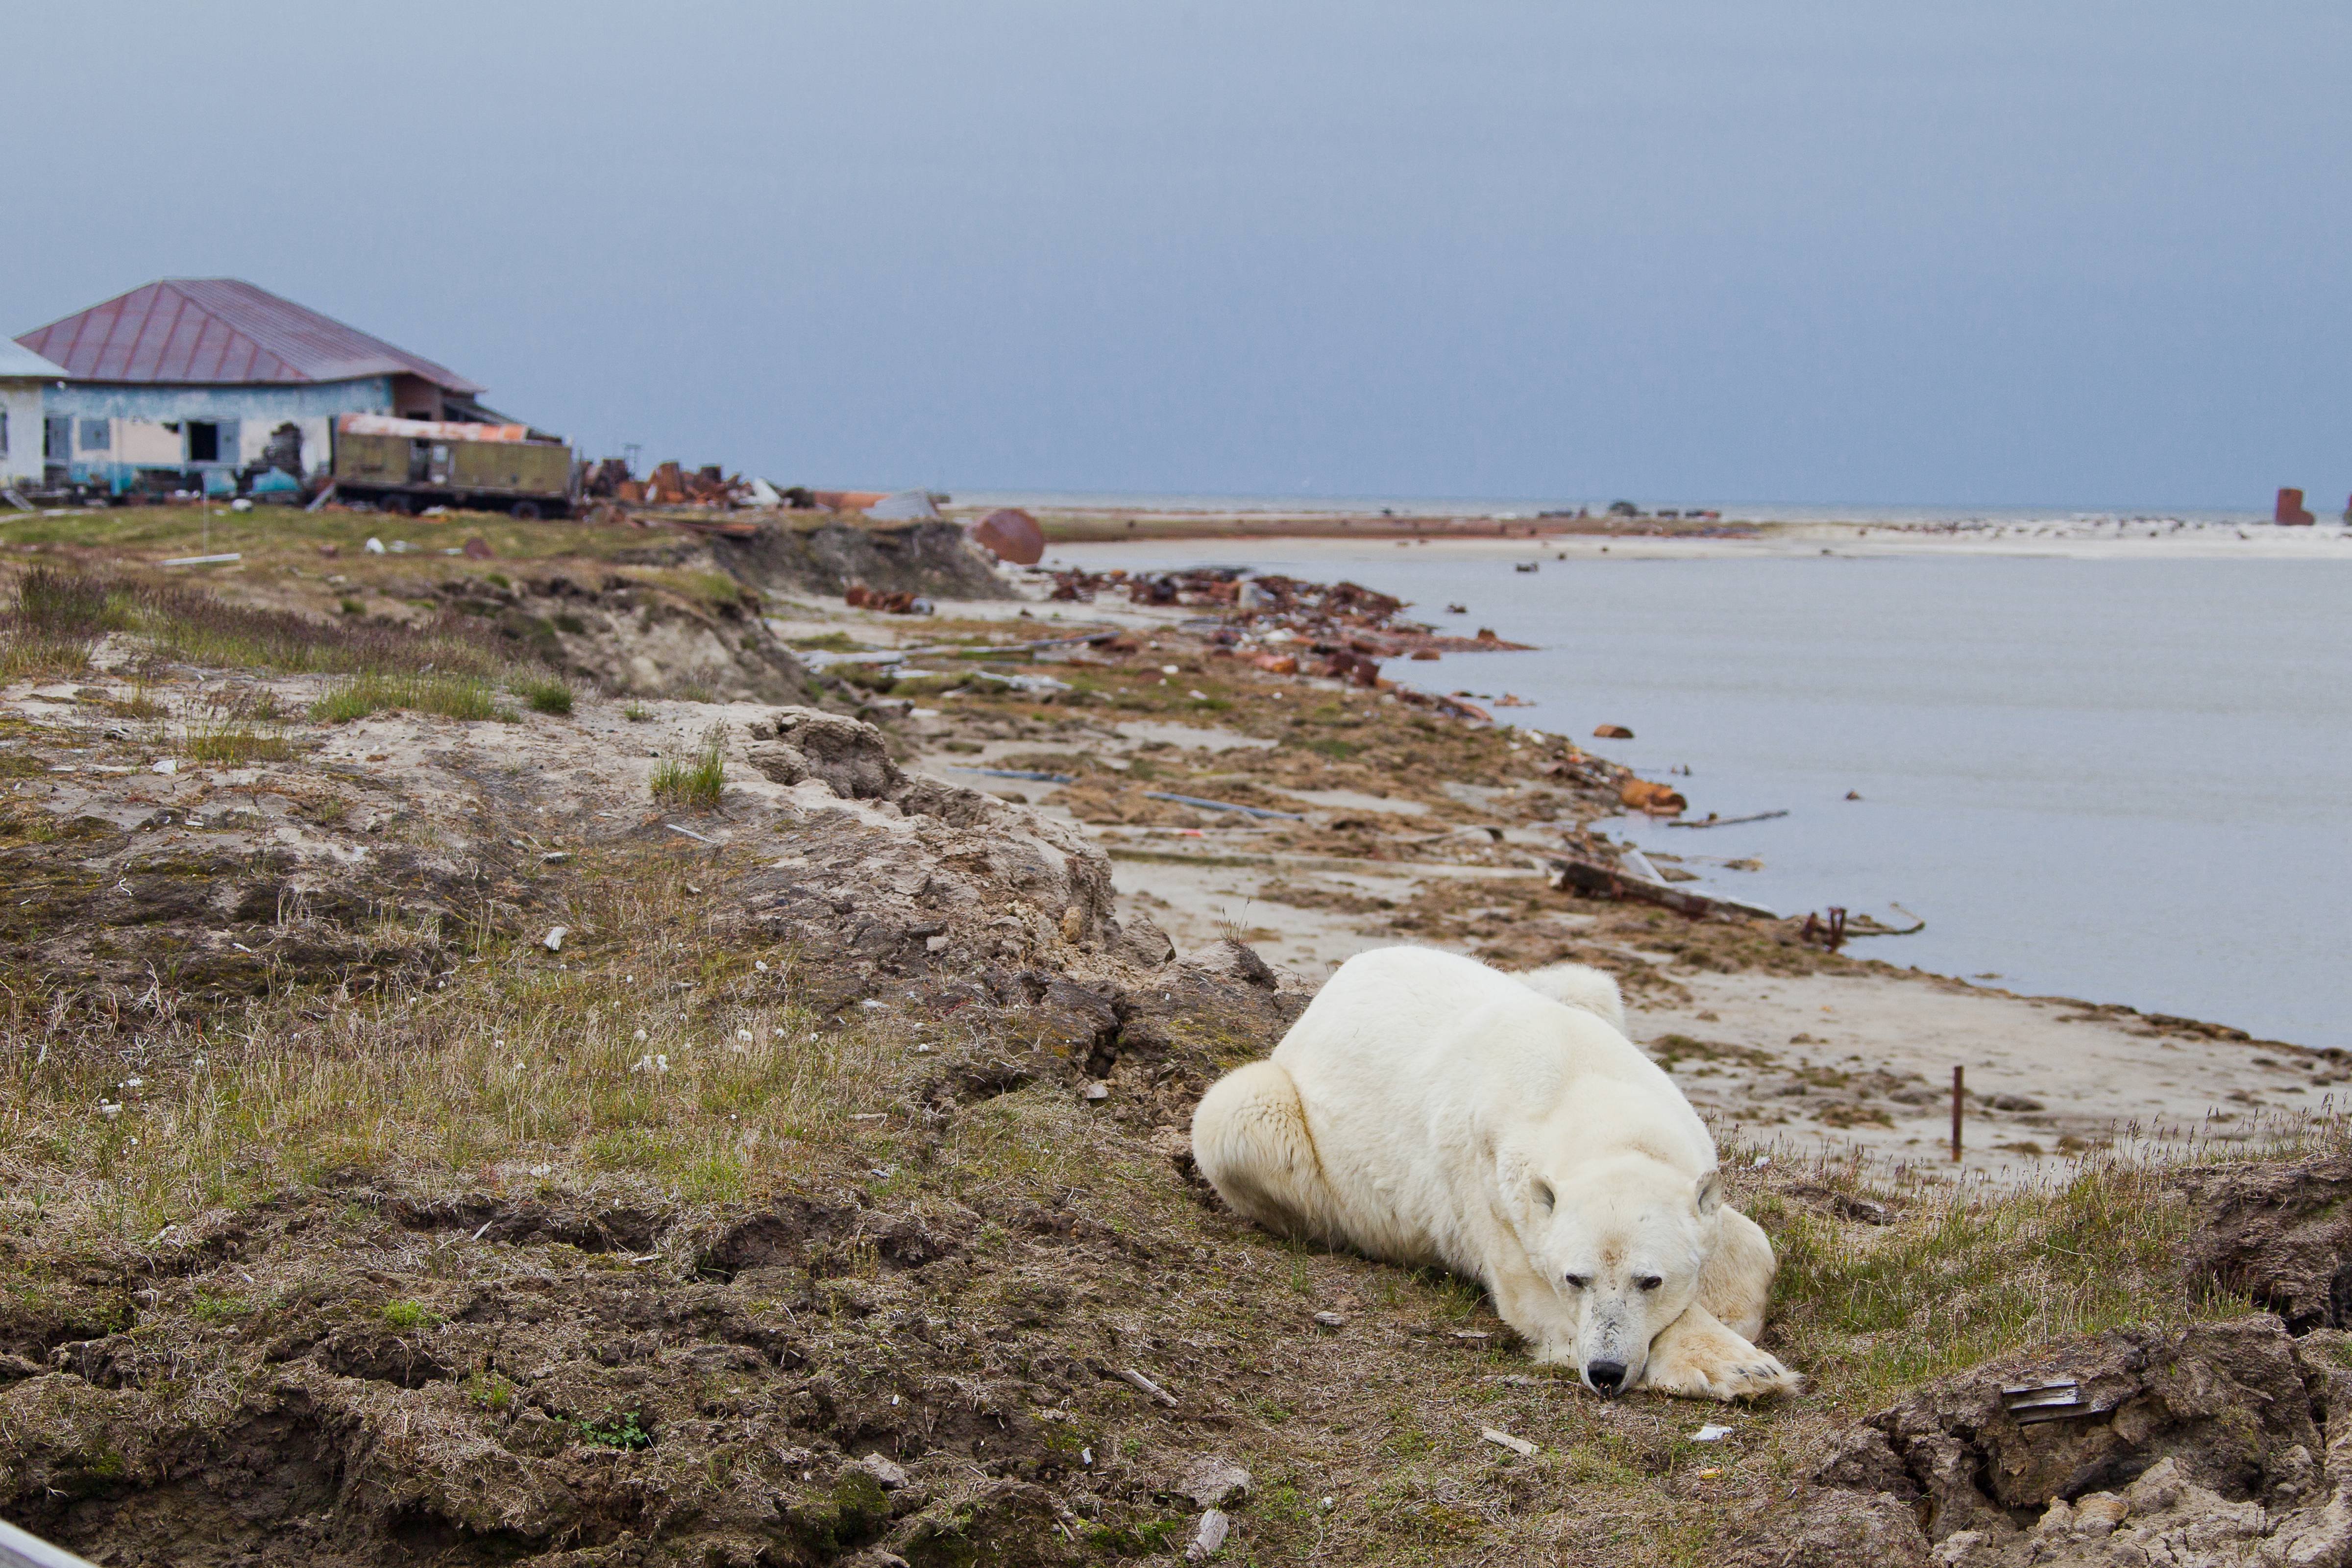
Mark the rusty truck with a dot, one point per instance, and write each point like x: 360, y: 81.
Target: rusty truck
x: 407, y: 465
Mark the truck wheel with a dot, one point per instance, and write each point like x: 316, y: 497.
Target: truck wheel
x: 524, y: 511
x: 399, y: 505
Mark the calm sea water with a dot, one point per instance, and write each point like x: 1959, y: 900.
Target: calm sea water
x: 2123, y: 780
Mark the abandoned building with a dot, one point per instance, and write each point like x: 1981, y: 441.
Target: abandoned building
x: 24, y: 379
x: 213, y: 384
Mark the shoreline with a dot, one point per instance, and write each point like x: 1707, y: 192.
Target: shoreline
x: 2255, y: 542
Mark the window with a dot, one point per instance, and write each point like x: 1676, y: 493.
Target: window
x: 204, y: 441
x: 96, y: 435
x: 4, y: 432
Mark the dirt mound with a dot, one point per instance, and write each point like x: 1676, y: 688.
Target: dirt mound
x: 2280, y: 1236
x: 933, y: 559
x: 2204, y: 1445
x: 636, y: 634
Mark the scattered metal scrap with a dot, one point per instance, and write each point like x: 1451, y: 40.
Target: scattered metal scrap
x: 1029, y: 774
x: 2060, y: 1400
x: 1258, y: 811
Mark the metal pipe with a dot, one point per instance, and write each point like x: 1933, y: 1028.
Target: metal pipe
x: 1957, y: 1091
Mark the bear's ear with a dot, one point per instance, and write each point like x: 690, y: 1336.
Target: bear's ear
x: 1544, y: 1195
x: 1710, y: 1192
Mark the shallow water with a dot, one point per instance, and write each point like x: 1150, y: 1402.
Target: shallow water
x: 2124, y: 781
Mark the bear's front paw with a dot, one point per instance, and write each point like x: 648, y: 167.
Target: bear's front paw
x: 1757, y: 1376
x: 1699, y: 1358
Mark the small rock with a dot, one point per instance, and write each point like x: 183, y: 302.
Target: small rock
x: 935, y: 943
x: 1209, y: 1537
x: 2098, y: 1513
x: 1095, y: 1091
x: 1331, y: 1319
x: 1710, y: 1433
x: 890, y: 1476
x: 476, y: 549
x: 555, y: 858
x: 374, y: 545
x: 1954, y: 1548
x: 1232, y: 959
x: 553, y: 940
x: 1073, y: 925
x: 1612, y: 732
x: 168, y: 765
x: 1212, y: 1482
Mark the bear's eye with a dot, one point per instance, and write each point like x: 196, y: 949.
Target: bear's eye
x: 1650, y: 1281
x: 1578, y: 1282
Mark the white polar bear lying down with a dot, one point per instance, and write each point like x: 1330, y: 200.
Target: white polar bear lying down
x: 1428, y: 1110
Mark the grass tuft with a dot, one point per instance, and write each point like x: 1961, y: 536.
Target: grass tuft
x: 695, y: 783
x: 449, y: 696
x: 544, y: 695
x: 408, y: 1316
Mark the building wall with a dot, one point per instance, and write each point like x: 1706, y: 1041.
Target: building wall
x: 138, y: 419
x: 21, y: 401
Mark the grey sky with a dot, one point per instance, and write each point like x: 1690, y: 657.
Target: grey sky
x: 2050, y: 252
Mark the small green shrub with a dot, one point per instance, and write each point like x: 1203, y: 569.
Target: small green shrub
x: 352, y: 606
x: 637, y: 713
x: 570, y: 624
x: 624, y: 1432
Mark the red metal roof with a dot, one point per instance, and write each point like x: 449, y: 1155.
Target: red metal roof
x: 210, y: 330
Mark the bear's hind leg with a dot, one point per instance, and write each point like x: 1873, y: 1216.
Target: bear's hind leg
x: 1250, y: 1139
x: 1737, y: 1279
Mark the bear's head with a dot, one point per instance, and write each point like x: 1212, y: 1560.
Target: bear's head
x: 1621, y: 1240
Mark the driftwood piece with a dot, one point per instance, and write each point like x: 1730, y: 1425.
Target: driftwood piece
x: 1136, y: 1380
x: 1519, y: 1445
x: 1611, y: 882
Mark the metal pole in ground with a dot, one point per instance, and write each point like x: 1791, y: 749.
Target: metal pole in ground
x: 1957, y: 1090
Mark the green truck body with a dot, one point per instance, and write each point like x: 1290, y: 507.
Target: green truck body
x: 408, y: 473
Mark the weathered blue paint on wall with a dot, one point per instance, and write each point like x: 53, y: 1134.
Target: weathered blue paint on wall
x: 160, y: 404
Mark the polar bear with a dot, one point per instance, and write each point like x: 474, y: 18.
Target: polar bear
x: 1428, y: 1110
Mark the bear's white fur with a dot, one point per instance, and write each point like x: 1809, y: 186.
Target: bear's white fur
x: 1428, y: 1110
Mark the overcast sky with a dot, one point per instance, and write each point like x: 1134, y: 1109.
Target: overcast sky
x: 2045, y: 252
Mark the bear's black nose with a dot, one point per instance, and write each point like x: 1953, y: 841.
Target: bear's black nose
x: 1608, y: 1376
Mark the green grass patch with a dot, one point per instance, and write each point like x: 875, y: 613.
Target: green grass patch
x: 235, y: 744
x: 409, y: 1316
x: 694, y: 782
x: 545, y: 695
x: 449, y: 696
